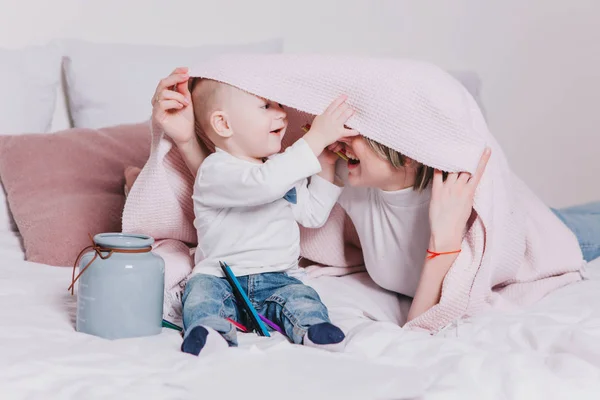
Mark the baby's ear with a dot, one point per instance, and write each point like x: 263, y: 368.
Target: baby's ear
x: 220, y: 124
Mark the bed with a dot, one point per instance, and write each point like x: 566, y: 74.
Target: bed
x: 546, y: 351
x: 549, y: 350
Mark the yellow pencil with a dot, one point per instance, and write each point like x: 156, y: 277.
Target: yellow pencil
x: 341, y: 155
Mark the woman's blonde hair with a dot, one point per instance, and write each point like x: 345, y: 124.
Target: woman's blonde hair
x: 424, y: 173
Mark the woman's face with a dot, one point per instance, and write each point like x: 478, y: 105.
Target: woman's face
x: 367, y: 169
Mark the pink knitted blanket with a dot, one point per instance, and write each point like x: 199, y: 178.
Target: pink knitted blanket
x: 514, y: 252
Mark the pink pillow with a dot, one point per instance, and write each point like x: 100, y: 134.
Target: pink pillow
x: 62, y: 186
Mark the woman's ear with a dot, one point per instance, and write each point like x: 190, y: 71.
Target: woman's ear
x: 219, y: 123
x: 410, y: 163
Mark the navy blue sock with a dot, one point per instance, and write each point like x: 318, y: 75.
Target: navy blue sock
x: 195, y: 340
x: 325, y: 333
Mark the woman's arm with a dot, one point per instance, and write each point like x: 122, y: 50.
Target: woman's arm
x: 449, y: 211
x: 429, y: 289
x: 193, y: 153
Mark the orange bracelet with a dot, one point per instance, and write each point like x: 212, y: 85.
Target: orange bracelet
x: 433, y: 254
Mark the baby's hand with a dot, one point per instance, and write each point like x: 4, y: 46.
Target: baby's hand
x: 331, y: 124
x: 172, y: 109
x: 329, y: 127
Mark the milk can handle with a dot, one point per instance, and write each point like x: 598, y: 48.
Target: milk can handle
x: 98, y: 253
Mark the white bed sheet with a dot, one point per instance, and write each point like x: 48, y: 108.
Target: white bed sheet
x: 11, y: 245
x: 550, y: 350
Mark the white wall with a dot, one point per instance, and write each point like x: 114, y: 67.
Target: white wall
x: 174, y: 22
x: 538, y: 59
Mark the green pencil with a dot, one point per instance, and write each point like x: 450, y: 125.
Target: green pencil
x: 167, y: 324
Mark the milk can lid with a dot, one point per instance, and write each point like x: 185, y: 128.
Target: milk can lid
x: 123, y: 240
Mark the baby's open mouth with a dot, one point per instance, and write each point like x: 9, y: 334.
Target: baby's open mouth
x: 277, y: 131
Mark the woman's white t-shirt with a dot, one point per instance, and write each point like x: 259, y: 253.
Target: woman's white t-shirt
x: 393, y: 228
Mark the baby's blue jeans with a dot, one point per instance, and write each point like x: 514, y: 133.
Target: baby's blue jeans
x: 208, y: 300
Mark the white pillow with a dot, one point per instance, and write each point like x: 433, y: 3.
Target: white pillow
x: 110, y: 84
x: 29, y: 80
x: 472, y: 83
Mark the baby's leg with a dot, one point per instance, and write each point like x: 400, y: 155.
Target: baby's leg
x: 297, y: 308
x: 207, y: 301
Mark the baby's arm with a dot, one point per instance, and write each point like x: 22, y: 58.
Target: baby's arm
x: 315, y: 201
x: 225, y: 183
x: 228, y: 184
x: 323, y: 134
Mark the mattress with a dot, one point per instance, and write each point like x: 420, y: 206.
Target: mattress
x: 550, y: 350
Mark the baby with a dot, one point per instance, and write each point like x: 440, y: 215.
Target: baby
x: 248, y: 201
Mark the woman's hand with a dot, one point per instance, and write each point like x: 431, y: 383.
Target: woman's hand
x: 172, y: 109
x: 328, y: 155
x: 451, y: 206
x: 328, y: 160
x: 173, y: 113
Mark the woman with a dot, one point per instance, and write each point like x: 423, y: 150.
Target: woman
x: 402, y: 210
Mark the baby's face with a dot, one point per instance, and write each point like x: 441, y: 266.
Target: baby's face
x: 258, y: 124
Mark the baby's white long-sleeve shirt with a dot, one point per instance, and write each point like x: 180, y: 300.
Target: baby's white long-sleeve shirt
x: 242, y: 218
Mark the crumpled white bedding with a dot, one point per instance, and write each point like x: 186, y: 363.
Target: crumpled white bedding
x: 547, y: 351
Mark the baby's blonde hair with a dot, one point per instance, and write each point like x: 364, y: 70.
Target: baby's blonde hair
x: 424, y: 173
